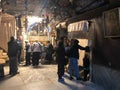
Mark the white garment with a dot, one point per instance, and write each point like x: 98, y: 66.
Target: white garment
x: 36, y: 47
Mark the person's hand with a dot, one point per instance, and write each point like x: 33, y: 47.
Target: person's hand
x: 87, y: 49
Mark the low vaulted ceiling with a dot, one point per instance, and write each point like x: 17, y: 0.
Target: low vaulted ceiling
x: 57, y: 10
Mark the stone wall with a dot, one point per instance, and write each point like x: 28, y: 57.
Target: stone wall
x: 105, y: 61
x: 7, y: 29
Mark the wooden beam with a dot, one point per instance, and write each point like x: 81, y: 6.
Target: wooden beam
x: 92, y: 13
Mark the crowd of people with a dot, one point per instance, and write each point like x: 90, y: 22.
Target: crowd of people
x: 66, y: 52
x: 38, y: 52
x: 13, y: 52
x: 69, y: 51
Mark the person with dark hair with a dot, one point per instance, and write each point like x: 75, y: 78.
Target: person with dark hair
x: 60, y: 59
x: 49, y: 52
x: 19, y: 50
x: 74, y: 56
x: 86, y: 63
x: 28, y: 53
x: 36, y: 52
x: 12, y: 54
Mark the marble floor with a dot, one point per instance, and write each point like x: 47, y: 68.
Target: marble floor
x: 43, y: 77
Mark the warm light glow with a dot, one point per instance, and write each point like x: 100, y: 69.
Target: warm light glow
x: 78, y: 26
x: 25, y: 37
x: 32, y: 21
x: 9, y: 25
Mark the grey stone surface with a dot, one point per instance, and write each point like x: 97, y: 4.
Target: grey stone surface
x: 43, y: 77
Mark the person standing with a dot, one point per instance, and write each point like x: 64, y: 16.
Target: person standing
x: 49, y: 52
x: 28, y: 53
x: 13, y: 49
x: 74, y: 56
x: 36, y: 52
x: 60, y: 59
x: 86, y: 63
x: 19, y: 50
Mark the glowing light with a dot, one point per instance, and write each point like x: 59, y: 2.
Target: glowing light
x: 25, y: 36
x: 32, y: 21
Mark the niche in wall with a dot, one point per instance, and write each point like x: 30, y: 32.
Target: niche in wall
x: 112, y: 23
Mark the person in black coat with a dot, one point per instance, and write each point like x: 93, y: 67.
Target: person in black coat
x: 12, y: 54
x: 86, y: 63
x: 28, y: 53
x: 74, y: 56
x: 19, y: 42
x: 49, y: 52
x: 60, y: 59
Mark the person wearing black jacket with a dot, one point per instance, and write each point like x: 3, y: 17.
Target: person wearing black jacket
x: 74, y: 56
x: 28, y: 53
x: 60, y: 59
x: 12, y: 54
x: 86, y: 63
x: 49, y: 52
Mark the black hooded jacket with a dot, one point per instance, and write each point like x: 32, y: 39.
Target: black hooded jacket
x: 12, y: 48
x: 74, y: 49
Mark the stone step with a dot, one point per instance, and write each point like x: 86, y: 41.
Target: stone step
x: 3, y: 56
x: 1, y: 51
x: 2, y: 61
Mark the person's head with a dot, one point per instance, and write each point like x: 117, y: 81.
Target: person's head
x: 12, y: 38
x: 76, y: 41
x: 71, y: 42
x: 60, y: 43
x: 26, y: 41
x: 48, y: 41
x: 36, y: 40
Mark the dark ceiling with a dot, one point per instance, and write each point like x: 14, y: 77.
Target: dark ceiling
x: 57, y: 10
